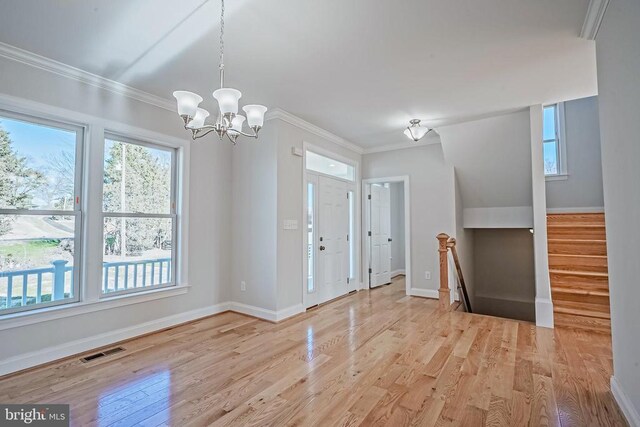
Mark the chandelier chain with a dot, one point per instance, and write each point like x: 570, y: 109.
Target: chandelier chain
x: 222, y: 36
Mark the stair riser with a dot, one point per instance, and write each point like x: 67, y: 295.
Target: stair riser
x: 579, y: 282
x: 581, y: 309
x: 583, y: 323
x: 578, y: 263
x: 590, y: 299
x: 576, y: 219
x: 576, y: 233
x: 578, y: 248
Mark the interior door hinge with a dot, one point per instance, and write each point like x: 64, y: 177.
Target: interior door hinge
x: 370, y: 271
x: 347, y: 237
x: 369, y: 196
x: 347, y: 280
x: 369, y: 234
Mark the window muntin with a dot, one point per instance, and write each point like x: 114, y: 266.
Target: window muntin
x: 139, y: 221
x: 40, y: 216
x: 328, y: 166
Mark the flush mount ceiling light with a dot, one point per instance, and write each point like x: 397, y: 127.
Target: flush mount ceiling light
x: 229, y: 122
x: 415, y: 131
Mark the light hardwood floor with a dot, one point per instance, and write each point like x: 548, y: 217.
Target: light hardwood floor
x: 373, y: 358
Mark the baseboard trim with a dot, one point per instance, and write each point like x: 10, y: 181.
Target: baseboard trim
x: 62, y: 351
x: 395, y: 273
x: 630, y: 413
x: 424, y: 293
x: 544, y: 313
x: 591, y: 209
x: 265, y: 314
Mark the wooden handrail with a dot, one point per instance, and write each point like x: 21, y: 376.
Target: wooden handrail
x: 446, y: 243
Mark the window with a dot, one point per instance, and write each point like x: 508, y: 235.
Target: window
x: 139, y: 221
x: 40, y: 170
x: 328, y: 166
x: 554, y: 153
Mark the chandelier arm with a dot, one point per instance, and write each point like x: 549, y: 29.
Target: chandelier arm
x: 199, y: 133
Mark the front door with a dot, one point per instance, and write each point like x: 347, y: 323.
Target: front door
x: 380, y: 227
x: 331, y: 240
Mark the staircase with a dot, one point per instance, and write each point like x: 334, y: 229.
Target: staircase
x: 578, y: 271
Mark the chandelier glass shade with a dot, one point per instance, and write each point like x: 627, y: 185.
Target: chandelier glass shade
x: 415, y: 131
x: 228, y: 122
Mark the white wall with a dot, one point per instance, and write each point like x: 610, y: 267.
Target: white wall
x: 492, y: 159
x: 290, y: 203
x: 583, y: 186
x: 618, y: 56
x: 397, y: 226
x: 254, y: 243
x: 465, y: 246
x: 432, y: 197
x: 209, y: 214
x: 268, y: 189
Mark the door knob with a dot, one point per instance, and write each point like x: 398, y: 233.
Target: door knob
x: 390, y: 239
x: 322, y: 248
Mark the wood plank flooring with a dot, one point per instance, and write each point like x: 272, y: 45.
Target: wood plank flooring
x: 374, y: 358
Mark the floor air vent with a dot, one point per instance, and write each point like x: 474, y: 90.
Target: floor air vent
x: 95, y: 356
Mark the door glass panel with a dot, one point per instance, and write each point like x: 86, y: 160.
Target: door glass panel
x: 352, y: 231
x: 310, y: 237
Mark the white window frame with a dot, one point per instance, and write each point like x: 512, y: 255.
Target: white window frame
x: 91, y: 204
x: 124, y: 215
x: 561, y: 144
x: 77, y: 211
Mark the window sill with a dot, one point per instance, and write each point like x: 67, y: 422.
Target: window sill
x: 558, y: 177
x: 46, y: 314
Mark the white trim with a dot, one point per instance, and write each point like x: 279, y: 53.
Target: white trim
x: 557, y: 177
x: 401, y: 146
x: 265, y: 314
x: 511, y: 217
x: 38, y: 357
x: 544, y: 306
x: 277, y: 113
x: 399, y: 272
x: 407, y: 226
x: 593, y: 19
x: 592, y: 209
x: 73, y: 73
x: 544, y: 313
x: 630, y: 413
x: 424, y: 293
x: 24, y: 318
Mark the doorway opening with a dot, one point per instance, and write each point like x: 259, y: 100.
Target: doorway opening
x: 386, y: 236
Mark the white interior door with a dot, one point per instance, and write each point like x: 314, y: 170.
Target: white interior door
x: 380, y: 240
x: 332, y: 245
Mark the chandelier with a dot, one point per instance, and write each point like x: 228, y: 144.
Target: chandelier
x: 415, y: 131
x: 229, y: 122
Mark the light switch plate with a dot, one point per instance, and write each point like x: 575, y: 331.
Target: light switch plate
x: 427, y: 275
x: 290, y: 224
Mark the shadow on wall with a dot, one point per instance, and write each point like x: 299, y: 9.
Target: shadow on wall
x: 504, y: 273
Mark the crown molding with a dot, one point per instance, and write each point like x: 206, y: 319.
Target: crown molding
x: 593, y: 19
x: 278, y: 113
x: 64, y: 70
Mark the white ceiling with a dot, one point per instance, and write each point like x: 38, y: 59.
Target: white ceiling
x: 358, y: 68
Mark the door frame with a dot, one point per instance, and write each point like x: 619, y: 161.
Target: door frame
x: 366, y: 215
x: 356, y: 282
